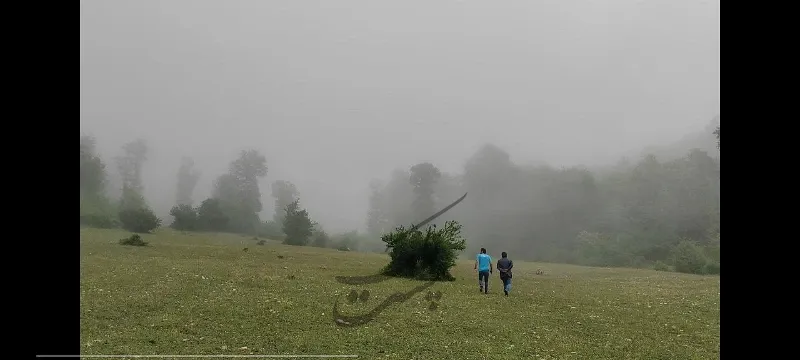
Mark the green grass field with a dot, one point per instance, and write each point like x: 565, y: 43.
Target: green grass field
x: 199, y: 293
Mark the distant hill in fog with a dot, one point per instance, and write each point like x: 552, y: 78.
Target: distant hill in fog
x: 704, y: 140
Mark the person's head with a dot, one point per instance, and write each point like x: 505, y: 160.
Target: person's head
x: 483, y: 250
x: 504, y: 254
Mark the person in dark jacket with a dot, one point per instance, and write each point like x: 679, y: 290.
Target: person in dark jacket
x: 504, y: 266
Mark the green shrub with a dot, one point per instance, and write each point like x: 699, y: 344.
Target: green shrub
x: 133, y: 240
x: 139, y: 220
x: 711, y: 268
x: 99, y: 213
x: 661, y: 266
x: 425, y: 255
x: 321, y: 239
x: 689, y: 258
x: 297, y: 225
x: 211, y: 217
x: 185, y: 217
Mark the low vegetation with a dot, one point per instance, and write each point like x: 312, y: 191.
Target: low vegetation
x: 140, y: 220
x: 297, y: 226
x: 133, y: 240
x: 424, y: 255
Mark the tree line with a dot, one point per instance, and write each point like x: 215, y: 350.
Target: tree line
x: 661, y: 213
x: 234, y: 205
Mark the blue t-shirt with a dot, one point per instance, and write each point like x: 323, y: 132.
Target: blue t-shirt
x: 483, y: 262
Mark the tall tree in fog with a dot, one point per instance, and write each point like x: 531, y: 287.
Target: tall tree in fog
x: 486, y: 173
x: 378, y: 221
x: 226, y: 190
x: 238, y: 191
x: 392, y: 202
x: 285, y: 193
x: 229, y: 201
x: 699, y: 198
x: 96, y: 209
x: 129, y: 165
x: 246, y: 170
x: 187, y: 181
x: 297, y: 225
x: 423, y: 178
x: 716, y: 132
x: 501, y: 209
x: 648, y: 201
x: 93, y: 170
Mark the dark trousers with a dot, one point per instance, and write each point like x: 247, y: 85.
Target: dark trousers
x: 483, y: 280
x: 506, y: 283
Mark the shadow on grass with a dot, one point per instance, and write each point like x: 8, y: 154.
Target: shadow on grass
x: 398, y: 297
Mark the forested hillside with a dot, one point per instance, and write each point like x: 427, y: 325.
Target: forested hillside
x: 654, y: 210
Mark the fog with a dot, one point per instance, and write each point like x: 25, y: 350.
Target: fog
x: 338, y: 93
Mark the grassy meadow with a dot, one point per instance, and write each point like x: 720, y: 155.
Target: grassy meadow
x: 198, y: 293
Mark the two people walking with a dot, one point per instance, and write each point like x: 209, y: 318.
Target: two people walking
x: 483, y: 263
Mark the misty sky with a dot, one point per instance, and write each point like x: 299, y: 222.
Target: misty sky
x: 336, y: 93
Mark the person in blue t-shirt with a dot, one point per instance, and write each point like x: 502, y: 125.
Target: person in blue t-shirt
x: 483, y: 263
